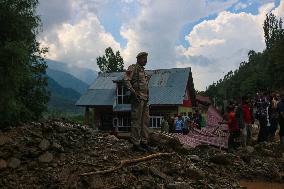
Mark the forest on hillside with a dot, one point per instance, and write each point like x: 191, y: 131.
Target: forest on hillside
x: 262, y: 72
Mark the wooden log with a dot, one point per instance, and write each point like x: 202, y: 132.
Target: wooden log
x: 127, y: 162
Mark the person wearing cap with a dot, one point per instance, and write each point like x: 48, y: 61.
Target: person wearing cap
x: 136, y: 80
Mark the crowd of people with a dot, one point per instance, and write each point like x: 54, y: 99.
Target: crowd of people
x: 183, y: 123
x: 267, y: 108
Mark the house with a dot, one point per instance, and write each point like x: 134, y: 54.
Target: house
x: 171, y: 92
x: 204, y: 100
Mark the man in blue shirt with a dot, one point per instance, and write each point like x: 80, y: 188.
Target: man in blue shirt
x: 179, y: 124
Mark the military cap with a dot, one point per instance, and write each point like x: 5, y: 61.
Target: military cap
x: 141, y: 54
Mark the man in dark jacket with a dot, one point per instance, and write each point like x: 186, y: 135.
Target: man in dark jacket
x: 262, y: 105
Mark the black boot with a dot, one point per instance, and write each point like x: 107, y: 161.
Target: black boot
x: 148, y: 148
x: 138, y: 148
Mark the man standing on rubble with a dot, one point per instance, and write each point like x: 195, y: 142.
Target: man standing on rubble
x: 136, y: 80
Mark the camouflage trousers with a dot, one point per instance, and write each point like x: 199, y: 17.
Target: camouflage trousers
x: 139, y: 122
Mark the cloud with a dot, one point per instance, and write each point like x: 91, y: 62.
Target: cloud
x: 225, y: 41
x: 80, y: 42
x: 78, y: 36
x: 157, y: 27
x: 240, y: 6
x: 76, y: 33
x: 279, y: 11
x: 53, y: 13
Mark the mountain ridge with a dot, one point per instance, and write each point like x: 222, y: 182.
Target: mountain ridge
x: 67, y: 80
x: 84, y: 74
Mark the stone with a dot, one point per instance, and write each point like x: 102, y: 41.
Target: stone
x: 44, y: 144
x: 32, y: 165
x: 32, y: 152
x: 160, y: 174
x: 3, y: 164
x: 160, y: 186
x: 178, y: 185
x: 112, y: 138
x: 250, y: 149
x: 48, y: 168
x: 179, y: 179
x: 195, y: 173
x: 222, y: 159
x: 246, y: 158
x: 14, y: 163
x: 57, y: 147
x: 46, y: 157
x: 95, y: 182
x: 4, y: 140
x: 54, y: 164
x: 267, y: 152
x: 194, y: 158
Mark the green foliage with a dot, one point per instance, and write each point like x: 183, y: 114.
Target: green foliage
x: 192, y: 91
x: 110, y: 62
x: 276, y: 67
x: 23, y: 94
x: 63, y: 115
x: 273, y: 31
x: 262, y: 71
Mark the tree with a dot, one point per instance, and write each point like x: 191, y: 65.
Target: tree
x: 264, y: 70
x: 23, y: 84
x: 274, y: 38
x: 110, y: 62
x: 273, y: 31
x: 277, y: 63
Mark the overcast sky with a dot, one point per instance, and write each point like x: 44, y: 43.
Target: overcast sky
x: 210, y: 36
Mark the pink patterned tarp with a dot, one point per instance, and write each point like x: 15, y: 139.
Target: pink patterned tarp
x: 214, y: 134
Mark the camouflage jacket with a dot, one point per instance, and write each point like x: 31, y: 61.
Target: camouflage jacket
x: 136, y: 80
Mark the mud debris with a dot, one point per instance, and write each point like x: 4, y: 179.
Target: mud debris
x: 55, y: 154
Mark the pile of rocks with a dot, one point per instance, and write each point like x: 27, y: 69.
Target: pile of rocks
x: 54, y: 154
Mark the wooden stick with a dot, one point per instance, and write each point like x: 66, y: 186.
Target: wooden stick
x: 127, y: 162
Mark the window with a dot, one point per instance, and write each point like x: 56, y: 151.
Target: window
x: 155, y: 121
x: 122, y: 96
x: 123, y: 123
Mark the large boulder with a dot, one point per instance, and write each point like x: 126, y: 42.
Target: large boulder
x: 4, y: 139
x: 14, y: 163
x: 44, y: 144
x: 3, y: 164
x: 47, y: 157
x: 165, y: 141
x: 222, y: 159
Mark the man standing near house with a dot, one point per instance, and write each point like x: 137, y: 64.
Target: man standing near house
x: 136, y: 80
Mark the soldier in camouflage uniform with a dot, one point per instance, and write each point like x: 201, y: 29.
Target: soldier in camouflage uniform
x: 136, y: 80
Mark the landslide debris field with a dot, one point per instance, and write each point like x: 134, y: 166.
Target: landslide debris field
x: 59, y: 154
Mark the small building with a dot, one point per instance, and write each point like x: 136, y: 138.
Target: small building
x: 204, y: 100
x: 171, y: 92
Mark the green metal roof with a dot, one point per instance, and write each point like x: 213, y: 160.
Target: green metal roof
x: 166, y: 86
